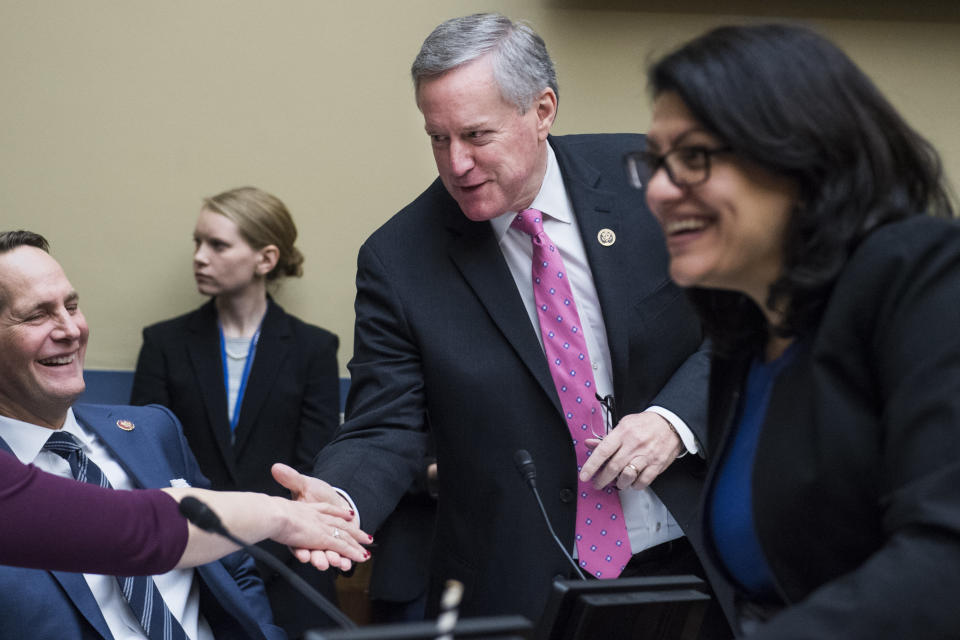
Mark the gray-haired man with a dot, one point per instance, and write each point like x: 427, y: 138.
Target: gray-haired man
x: 450, y: 341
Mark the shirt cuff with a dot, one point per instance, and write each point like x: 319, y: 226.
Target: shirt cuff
x: 680, y: 427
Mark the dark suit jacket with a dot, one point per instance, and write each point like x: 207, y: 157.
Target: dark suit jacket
x: 856, y: 484
x: 399, y: 573
x: 290, y: 410
x: 55, y: 604
x: 443, y: 342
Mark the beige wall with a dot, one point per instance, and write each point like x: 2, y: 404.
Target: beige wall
x: 118, y: 116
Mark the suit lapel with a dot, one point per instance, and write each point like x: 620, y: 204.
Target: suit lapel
x: 271, y: 350
x: 475, y: 252
x: 76, y: 588
x: 133, y: 450
x: 595, y: 209
x: 203, y: 349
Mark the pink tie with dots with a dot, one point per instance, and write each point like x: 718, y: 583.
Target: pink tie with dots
x: 603, y: 547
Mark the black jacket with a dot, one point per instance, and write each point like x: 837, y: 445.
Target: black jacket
x: 856, y: 484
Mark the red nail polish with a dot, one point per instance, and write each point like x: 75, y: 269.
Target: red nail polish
x: 366, y: 554
x: 351, y: 512
x: 370, y: 536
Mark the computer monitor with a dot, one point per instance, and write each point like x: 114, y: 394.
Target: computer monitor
x: 649, y: 608
x: 486, y: 628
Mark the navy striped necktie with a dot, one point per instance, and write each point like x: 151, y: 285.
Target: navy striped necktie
x: 140, y: 591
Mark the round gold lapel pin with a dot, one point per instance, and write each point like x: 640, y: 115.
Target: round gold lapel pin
x: 126, y: 425
x: 606, y: 237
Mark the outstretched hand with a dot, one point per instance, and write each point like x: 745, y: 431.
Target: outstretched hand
x: 342, y: 546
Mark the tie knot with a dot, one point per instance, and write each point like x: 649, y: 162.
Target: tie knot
x: 530, y: 221
x: 62, y: 443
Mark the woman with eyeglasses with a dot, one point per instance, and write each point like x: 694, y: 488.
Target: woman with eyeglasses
x: 811, y: 225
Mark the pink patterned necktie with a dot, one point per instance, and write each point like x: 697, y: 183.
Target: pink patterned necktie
x: 603, y: 547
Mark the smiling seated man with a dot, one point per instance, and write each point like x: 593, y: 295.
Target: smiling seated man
x: 43, y: 340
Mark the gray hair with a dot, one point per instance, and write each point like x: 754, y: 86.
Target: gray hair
x: 521, y: 65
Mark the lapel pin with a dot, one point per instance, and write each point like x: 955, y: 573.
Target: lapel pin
x: 606, y: 237
x: 126, y: 425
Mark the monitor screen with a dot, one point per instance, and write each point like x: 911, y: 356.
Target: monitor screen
x: 489, y: 628
x: 649, y: 608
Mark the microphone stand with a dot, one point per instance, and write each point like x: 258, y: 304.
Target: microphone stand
x: 524, y: 463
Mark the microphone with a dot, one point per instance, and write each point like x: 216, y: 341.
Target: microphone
x: 525, y: 466
x: 524, y: 463
x: 197, y: 512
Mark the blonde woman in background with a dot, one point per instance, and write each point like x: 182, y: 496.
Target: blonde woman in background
x: 251, y: 384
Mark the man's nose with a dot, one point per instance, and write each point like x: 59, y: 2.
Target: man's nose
x: 67, y: 326
x: 461, y: 158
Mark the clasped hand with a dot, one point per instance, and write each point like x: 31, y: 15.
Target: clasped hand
x: 343, y: 545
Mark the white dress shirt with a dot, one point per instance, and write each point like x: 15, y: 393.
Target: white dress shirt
x: 649, y: 523
x: 178, y: 587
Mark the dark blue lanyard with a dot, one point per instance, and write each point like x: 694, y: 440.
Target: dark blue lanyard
x: 243, y: 376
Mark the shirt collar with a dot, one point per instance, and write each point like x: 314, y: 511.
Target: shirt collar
x: 26, y: 440
x: 551, y: 199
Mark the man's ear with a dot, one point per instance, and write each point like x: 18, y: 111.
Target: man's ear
x: 546, y: 110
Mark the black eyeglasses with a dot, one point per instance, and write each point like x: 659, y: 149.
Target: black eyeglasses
x: 607, y: 411
x: 685, y: 166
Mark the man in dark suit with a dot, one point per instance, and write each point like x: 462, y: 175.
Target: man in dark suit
x: 449, y: 340
x: 43, y: 339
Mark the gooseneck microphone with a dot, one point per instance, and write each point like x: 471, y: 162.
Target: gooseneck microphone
x: 526, y: 468
x: 197, y: 512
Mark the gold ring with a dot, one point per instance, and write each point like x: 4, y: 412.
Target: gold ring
x: 634, y: 467
x: 336, y: 533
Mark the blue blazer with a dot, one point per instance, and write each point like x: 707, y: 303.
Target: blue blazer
x: 50, y: 605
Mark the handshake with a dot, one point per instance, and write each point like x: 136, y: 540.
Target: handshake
x: 318, y: 524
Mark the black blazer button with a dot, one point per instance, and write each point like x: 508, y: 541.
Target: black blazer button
x: 567, y: 496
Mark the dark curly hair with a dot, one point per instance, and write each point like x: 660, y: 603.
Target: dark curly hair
x: 790, y: 100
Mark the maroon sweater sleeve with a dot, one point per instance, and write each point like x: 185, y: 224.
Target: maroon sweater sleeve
x: 55, y: 523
